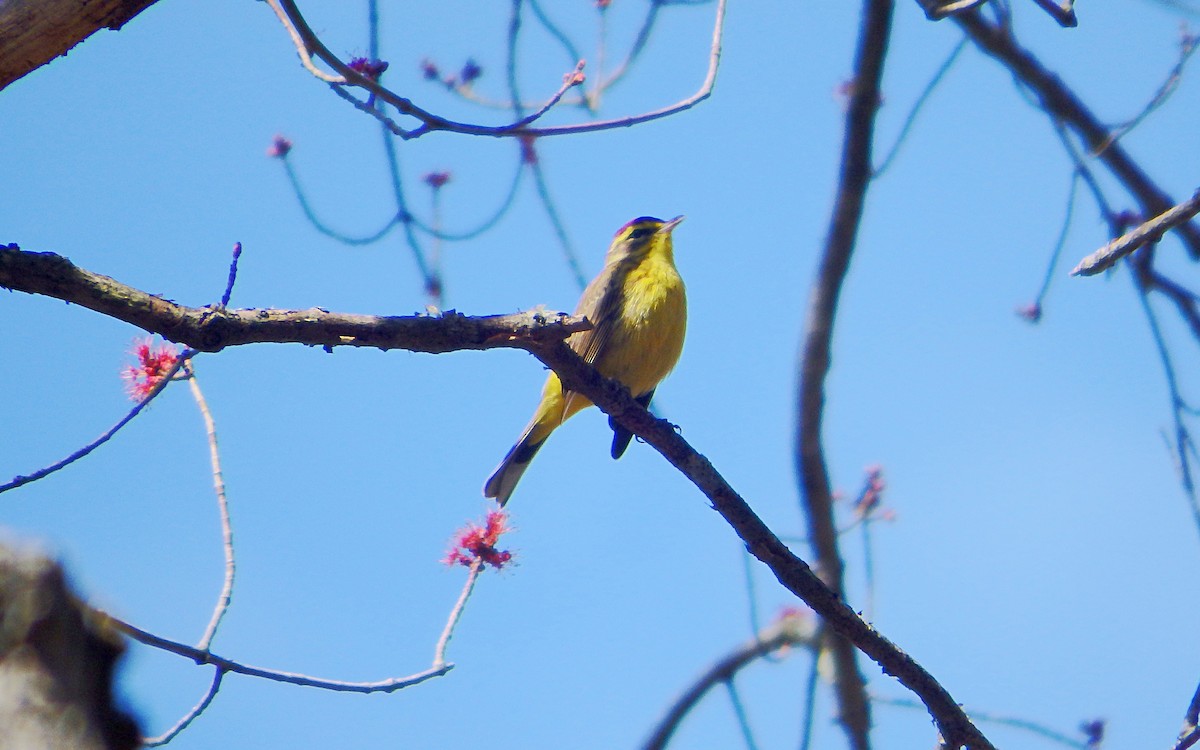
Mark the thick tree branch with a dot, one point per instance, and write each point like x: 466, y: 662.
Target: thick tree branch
x: 52, y: 275
x: 1062, y: 11
x: 57, y: 663
x: 34, y: 32
x: 210, y: 329
x: 815, y: 356
x: 795, y: 575
x: 1061, y: 102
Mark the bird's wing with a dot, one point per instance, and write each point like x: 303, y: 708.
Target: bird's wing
x: 600, y: 303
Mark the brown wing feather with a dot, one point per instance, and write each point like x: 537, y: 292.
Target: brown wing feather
x: 599, y: 303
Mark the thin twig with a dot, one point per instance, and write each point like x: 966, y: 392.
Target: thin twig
x: 1181, y: 438
x: 1062, y: 103
x: 1064, y: 231
x: 982, y: 716
x: 568, y: 47
x: 20, y: 480
x: 739, y: 711
x: 301, y: 47
x: 431, y: 122
x: 1187, y: 47
x: 210, y: 430
x: 751, y: 595
x: 233, y: 269
x: 484, y: 225
x: 433, y: 285
x: 320, y: 226
x: 786, y: 632
x: 560, y: 229
x: 190, y: 716
x: 812, y: 680
x: 1185, y: 299
x: 439, y: 651
x: 911, y: 118
x: 1150, y: 231
x: 207, y: 657
x: 602, y: 51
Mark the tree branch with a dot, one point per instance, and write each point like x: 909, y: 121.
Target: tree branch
x: 1061, y: 102
x: 1150, y: 231
x: 792, y: 572
x: 34, y: 32
x: 57, y: 663
x: 789, y: 631
x: 201, y: 656
x: 856, y: 171
x: 211, y: 329
x: 53, y: 275
x: 311, y: 45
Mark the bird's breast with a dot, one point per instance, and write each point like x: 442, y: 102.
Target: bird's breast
x: 648, y: 338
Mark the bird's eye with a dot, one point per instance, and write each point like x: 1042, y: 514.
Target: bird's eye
x: 640, y: 233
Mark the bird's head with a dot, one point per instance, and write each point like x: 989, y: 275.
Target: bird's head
x: 641, y: 235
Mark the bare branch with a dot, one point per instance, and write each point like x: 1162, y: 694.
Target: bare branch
x: 1061, y: 102
x: 793, y: 573
x: 57, y: 663
x: 19, y: 481
x: 789, y: 631
x: 431, y: 122
x: 855, y: 176
x: 46, y: 273
x: 1150, y: 231
x: 34, y: 32
x: 211, y: 329
x: 210, y: 431
x: 201, y: 656
x: 1191, y: 719
x: 1062, y: 11
x: 301, y: 46
x: 200, y: 707
x: 1040, y: 730
x: 439, y: 651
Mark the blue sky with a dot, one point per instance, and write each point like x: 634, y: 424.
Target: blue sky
x: 1041, y: 550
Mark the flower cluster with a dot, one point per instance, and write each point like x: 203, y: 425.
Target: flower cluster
x: 471, y: 71
x: 872, y: 492
x: 472, y: 543
x: 528, y: 152
x: 280, y: 147
x: 436, y: 180
x: 1093, y: 731
x: 1031, y: 312
x: 367, y: 68
x: 153, y: 364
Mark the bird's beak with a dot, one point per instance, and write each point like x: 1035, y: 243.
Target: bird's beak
x: 670, y: 225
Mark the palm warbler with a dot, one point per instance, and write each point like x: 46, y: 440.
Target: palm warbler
x: 638, y: 311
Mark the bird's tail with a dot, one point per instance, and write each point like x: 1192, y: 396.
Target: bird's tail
x: 504, y: 479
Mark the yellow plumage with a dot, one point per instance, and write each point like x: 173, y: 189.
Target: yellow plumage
x: 638, y: 309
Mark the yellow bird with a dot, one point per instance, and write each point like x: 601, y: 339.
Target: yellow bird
x: 638, y: 311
